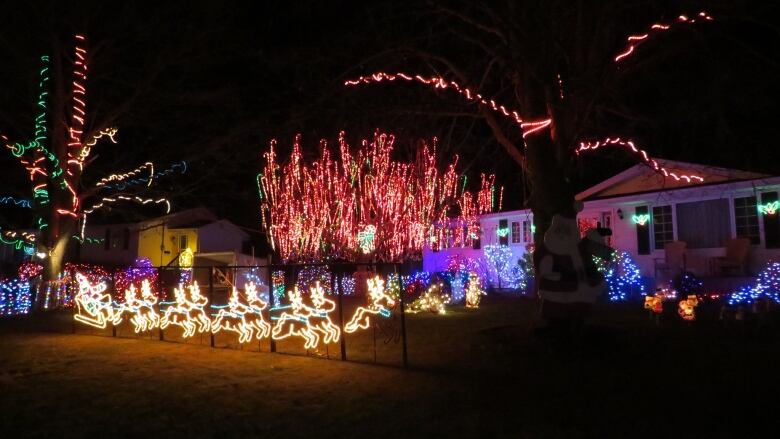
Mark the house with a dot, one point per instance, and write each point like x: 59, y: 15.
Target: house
x: 646, y: 210
x: 213, y: 241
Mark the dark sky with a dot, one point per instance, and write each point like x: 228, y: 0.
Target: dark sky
x: 212, y: 83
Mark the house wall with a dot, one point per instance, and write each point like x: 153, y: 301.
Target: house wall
x: 162, y: 244
x: 220, y: 236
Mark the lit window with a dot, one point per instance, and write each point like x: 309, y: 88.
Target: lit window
x: 516, y: 232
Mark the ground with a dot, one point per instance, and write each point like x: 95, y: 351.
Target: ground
x: 473, y: 373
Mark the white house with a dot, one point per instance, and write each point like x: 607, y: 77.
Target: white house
x: 703, y: 215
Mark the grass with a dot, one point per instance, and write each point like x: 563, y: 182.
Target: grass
x: 474, y: 373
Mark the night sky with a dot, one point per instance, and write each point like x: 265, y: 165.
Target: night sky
x: 212, y: 84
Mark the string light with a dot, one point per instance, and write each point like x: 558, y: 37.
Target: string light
x: 769, y: 208
x: 528, y: 127
x: 296, y: 322
x: 93, y: 304
x: 622, y: 276
x: 148, y: 166
x: 20, y: 202
x: 502, y: 232
x: 433, y: 300
x: 474, y: 291
x: 141, y: 271
x: 333, y: 208
x: 656, y: 28
x: 641, y: 219
x: 629, y: 145
x: 121, y: 185
x: 15, y: 297
x: 767, y: 287
x: 245, y: 319
x: 508, y: 274
x: 187, y: 312
x: 380, y: 304
x: 144, y: 317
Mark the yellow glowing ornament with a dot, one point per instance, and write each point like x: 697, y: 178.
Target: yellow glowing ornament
x: 186, y: 258
x: 474, y: 292
x: 296, y: 322
x: 380, y: 304
x: 93, y: 304
x: 319, y: 318
x: 144, y: 316
x: 654, y: 304
x: 187, y: 313
x: 432, y: 301
x: 245, y: 319
x: 687, y: 308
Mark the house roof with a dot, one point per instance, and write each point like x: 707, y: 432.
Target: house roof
x: 642, y: 178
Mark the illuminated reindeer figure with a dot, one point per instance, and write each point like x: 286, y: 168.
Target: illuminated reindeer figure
x: 187, y: 313
x: 319, y: 319
x: 296, y: 323
x: 144, y: 317
x: 244, y: 319
x: 380, y: 304
x: 256, y: 307
x: 94, y: 305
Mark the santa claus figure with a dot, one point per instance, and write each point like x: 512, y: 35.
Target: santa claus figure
x: 569, y: 280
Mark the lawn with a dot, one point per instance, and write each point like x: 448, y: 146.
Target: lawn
x: 473, y: 373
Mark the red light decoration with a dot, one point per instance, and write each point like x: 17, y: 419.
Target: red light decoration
x: 629, y: 145
x: 656, y: 28
x: 528, y: 127
x: 317, y: 211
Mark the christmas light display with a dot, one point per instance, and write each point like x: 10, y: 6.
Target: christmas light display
x: 655, y: 304
x: 768, y: 208
x: 687, y: 284
x: 319, y: 315
x: 144, y: 316
x: 19, y: 202
x: 29, y: 270
x: 380, y: 304
x: 15, y: 298
x: 508, y: 274
x: 416, y: 283
x: 527, y: 127
x: 433, y: 300
x: 294, y: 321
x: 364, y: 201
x: 640, y: 220
x: 311, y: 275
x: 55, y: 163
x: 622, y: 276
x: 502, y: 232
x: 458, y: 271
x: 187, y: 312
x: 245, y: 319
x: 94, y: 304
x: 629, y: 145
x: 277, y: 284
x: 474, y: 291
x: 767, y: 287
x: 141, y: 271
x: 656, y: 28
x: 366, y: 239
x: 687, y: 308
x: 180, y: 167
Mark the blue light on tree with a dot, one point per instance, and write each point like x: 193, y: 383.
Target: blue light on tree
x: 622, y: 277
x: 510, y: 275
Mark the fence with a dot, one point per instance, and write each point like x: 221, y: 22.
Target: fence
x: 335, y: 311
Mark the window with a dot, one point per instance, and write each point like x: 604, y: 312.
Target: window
x: 515, y: 232
x: 704, y: 224
x: 528, y: 235
x: 746, y: 219
x: 503, y: 232
x: 663, y: 227
x: 182, y: 242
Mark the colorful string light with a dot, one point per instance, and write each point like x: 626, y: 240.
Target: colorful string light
x: 622, y: 276
x: 629, y: 145
x: 433, y: 300
x: 508, y: 274
x: 332, y: 208
x: 474, y: 291
x: 15, y: 297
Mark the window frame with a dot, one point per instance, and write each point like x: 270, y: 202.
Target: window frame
x: 672, y: 223
x: 755, y: 214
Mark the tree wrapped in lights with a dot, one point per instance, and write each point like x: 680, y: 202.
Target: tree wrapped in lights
x: 56, y: 156
x: 433, y: 300
x: 767, y: 287
x: 507, y: 274
x: 364, y: 204
x: 622, y: 276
